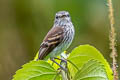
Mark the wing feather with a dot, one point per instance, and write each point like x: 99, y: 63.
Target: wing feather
x: 52, y: 40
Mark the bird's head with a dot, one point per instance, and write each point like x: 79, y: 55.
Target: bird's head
x: 62, y: 15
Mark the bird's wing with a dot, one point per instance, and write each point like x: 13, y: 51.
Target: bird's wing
x: 52, y: 39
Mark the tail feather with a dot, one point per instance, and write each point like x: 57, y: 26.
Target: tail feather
x: 42, y: 53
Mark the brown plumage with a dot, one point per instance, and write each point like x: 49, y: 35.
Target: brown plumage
x: 52, y: 39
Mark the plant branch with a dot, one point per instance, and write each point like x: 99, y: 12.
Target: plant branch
x: 65, y: 74
x: 113, y: 40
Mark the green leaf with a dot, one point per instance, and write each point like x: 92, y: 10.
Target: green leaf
x: 93, y: 70
x: 82, y: 54
x: 36, y: 56
x: 36, y: 70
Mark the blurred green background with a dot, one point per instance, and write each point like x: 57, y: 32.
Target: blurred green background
x: 24, y: 23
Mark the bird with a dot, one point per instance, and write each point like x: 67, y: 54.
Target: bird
x: 59, y: 38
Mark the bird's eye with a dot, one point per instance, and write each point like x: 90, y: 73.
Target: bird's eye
x: 68, y: 15
x: 56, y: 17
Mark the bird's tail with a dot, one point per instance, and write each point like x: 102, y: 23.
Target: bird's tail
x: 42, y: 53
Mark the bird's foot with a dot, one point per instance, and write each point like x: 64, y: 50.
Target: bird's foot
x: 61, y: 67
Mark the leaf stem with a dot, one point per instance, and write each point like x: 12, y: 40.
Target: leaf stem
x: 73, y: 64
